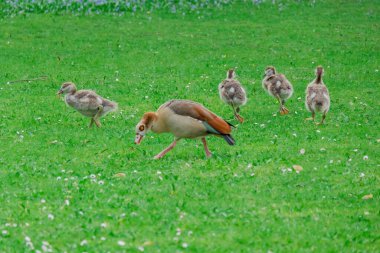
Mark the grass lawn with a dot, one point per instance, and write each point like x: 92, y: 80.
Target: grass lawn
x: 58, y: 183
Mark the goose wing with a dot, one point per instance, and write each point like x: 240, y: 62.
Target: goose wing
x: 213, y: 123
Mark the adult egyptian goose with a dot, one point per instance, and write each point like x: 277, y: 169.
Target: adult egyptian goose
x: 87, y: 102
x: 184, y: 119
x: 317, y: 96
x: 233, y: 94
x: 277, y: 86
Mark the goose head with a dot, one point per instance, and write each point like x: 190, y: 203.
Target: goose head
x: 144, y: 126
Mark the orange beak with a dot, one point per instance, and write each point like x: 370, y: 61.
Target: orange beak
x: 138, y: 138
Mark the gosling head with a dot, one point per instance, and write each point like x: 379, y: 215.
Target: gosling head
x: 67, y: 87
x: 231, y: 74
x: 319, y: 71
x: 269, y: 71
x: 143, y: 127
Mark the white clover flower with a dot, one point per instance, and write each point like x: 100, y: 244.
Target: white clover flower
x: 302, y: 151
x: 50, y: 216
x: 185, y: 245
x: 121, y: 243
x: 365, y: 157
x: 84, y: 242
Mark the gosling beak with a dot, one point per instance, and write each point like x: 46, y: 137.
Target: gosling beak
x: 59, y: 93
x: 138, y: 138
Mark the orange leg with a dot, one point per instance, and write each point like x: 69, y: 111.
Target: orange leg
x: 312, y: 116
x: 207, y: 151
x: 323, y: 118
x: 91, y: 122
x: 237, y: 116
x: 166, y: 150
x: 283, y: 109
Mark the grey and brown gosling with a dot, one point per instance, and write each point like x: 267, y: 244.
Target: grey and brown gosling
x: 317, y: 96
x: 87, y: 102
x: 278, y: 86
x: 233, y: 93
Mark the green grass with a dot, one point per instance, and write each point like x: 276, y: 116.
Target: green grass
x: 48, y: 153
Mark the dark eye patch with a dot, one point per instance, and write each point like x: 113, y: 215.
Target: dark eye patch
x: 141, y: 128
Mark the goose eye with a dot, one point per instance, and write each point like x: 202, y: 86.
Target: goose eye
x: 141, y: 128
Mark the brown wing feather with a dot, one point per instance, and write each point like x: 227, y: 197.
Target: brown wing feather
x: 199, y: 112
